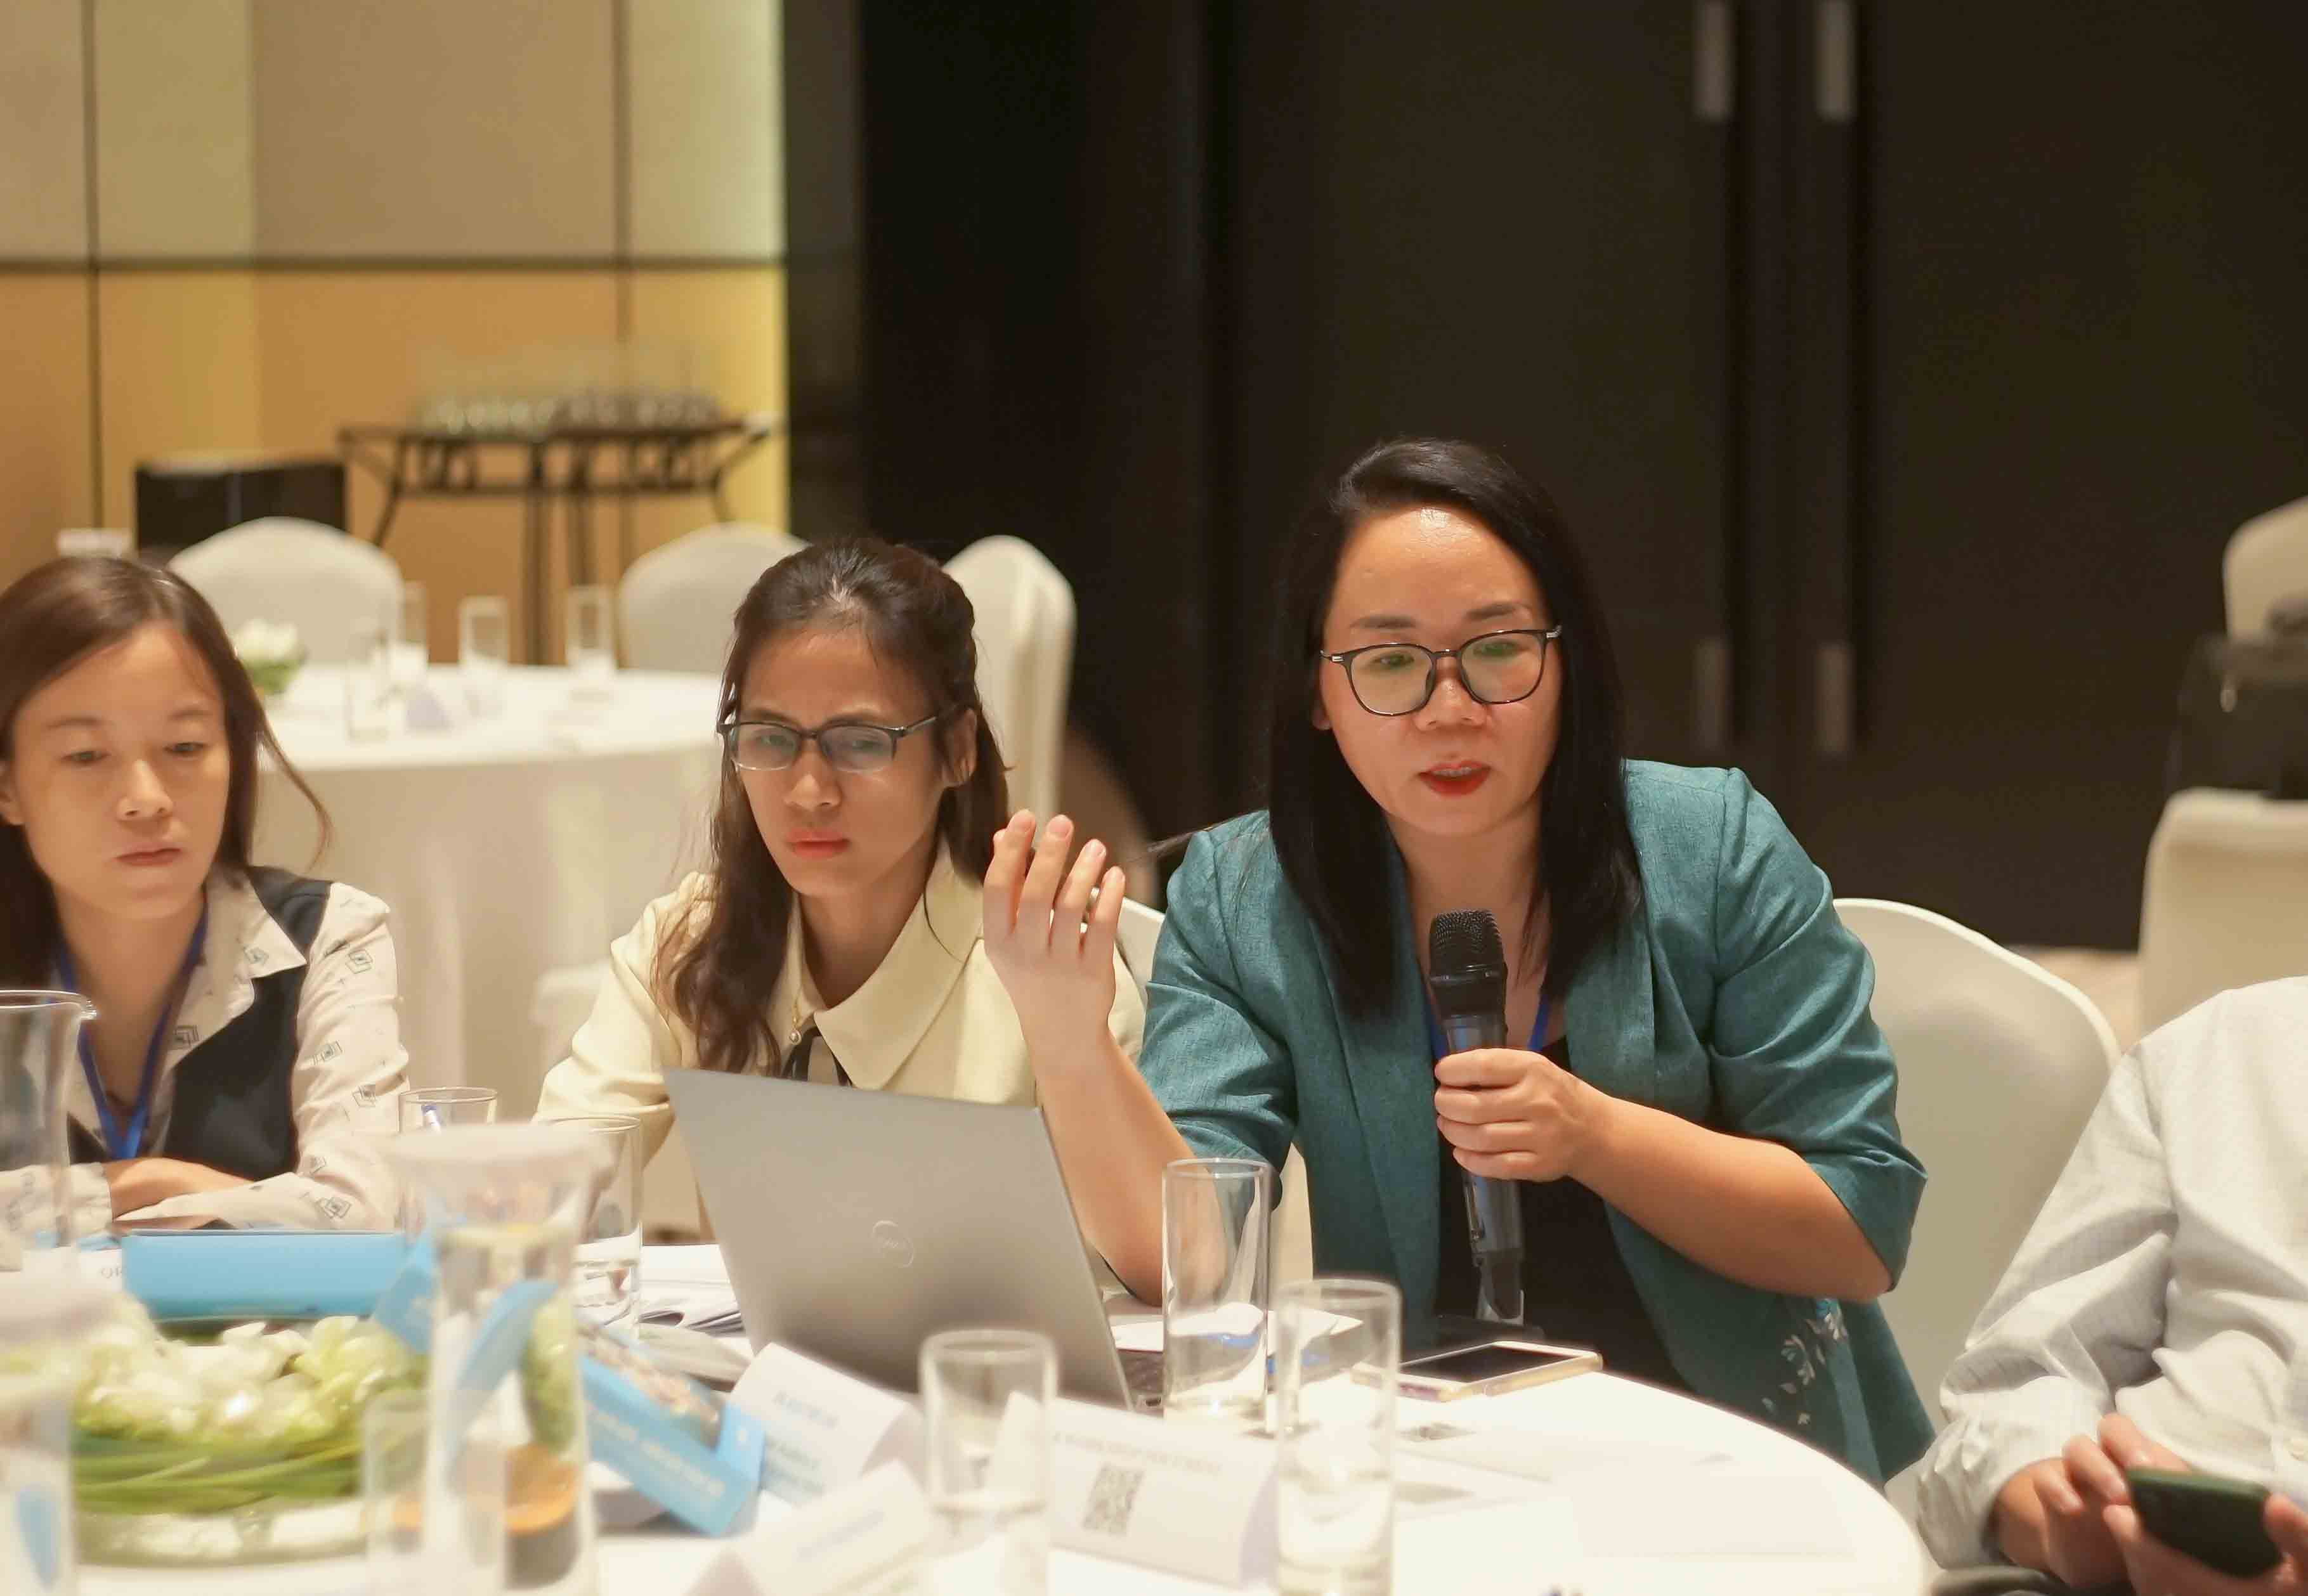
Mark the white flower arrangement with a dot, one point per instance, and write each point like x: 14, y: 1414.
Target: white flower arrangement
x: 271, y: 653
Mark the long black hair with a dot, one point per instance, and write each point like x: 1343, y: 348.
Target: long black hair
x: 1331, y: 836
x: 717, y: 965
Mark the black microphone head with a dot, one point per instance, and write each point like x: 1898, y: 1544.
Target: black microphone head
x: 1466, y: 966
x: 1465, y: 940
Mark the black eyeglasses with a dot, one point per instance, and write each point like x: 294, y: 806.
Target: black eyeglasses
x: 1498, y: 667
x: 853, y: 747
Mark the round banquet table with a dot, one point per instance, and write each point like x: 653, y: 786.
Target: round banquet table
x: 1622, y: 1489
x: 505, y: 844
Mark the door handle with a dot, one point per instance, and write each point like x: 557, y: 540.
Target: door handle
x: 1710, y: 694
x: 1714, y: 63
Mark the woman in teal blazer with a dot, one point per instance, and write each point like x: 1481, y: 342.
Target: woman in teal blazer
x: 1702, y: 1123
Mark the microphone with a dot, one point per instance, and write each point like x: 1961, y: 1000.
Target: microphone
x: 1467, y: 968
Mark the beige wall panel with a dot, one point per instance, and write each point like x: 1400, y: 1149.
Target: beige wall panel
x: 43, y: 132
x: 735, y: 320
x: 342, y: 348
x: 434, y: 128
x: 173, y: 158
x: 706, y: 128
x: 176, y: 371
x: 44, y: 415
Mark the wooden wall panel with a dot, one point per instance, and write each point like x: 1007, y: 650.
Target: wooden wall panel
x: 342, y: 347
x: 44, y: 439
x: 177, y: 372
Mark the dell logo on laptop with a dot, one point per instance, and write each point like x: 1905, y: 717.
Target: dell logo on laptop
x: 893, y: 1244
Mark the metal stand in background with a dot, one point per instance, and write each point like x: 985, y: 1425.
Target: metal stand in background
x: 574, y: 465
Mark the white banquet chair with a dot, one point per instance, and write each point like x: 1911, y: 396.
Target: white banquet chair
x: 560, y: 1005
x: 677, y: 606
x: 1137, y: 937
x: 2001, y: 1062
x: 2226, y: 901
x: 2266, y: 564
x: 315, y: 578
x: 1025, y: 658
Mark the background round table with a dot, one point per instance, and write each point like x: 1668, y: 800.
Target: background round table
x: 505, y: 844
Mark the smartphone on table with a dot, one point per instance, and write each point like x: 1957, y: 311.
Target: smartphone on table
x: 2221, y: 1522
x: 1492, y: 1368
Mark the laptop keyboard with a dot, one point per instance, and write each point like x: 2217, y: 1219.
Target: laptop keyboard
x: 1142, y: 1372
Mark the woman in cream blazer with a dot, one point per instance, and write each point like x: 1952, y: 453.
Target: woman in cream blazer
x: 837, y: 936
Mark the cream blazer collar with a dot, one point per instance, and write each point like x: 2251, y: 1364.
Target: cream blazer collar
x: 876, y: 1029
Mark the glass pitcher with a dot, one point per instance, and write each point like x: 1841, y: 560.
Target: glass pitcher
x: 503, y: 1206
x: 43, y: 1326
x: 39, y: 1041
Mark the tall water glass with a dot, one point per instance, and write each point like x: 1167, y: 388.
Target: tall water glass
x: 1216, y: 1235
x: 1338, y: 1351
x: 484, y: 652
x: 369, y: 696
x: 437, y: 1108
x: 40, y: 1040
x: 609, y: 1254
x: 103, y: 542
x: 469, y: 1559
x: 985, y: 1411
x: 502, y: 1208
x: 412, y: 647
x: 591, y: 648
x: 43, y: 1326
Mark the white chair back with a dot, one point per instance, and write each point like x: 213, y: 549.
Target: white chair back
x: 558, y: 1008
x: 2226, y: 903
x: 678, y: 604
x: 1136, y: 938
x: 1025, y: 658
x: 2001, y: 1063
x: 2267, y: 563
x: 315, y: 578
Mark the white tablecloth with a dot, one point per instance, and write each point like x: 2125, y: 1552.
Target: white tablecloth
x: 1664, y: 1497
x: 506, y: 845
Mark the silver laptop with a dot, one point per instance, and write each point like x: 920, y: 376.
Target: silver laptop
x: 856, y: 1223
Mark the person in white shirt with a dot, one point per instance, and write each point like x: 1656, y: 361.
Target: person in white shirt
x: 836, y: 936
x: 2156, y: 1315
x: 245, y: 1051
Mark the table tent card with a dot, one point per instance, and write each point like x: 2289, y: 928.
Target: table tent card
x: 1195, y: 1502
x: 869, y: 1538
x: 825, y: 1427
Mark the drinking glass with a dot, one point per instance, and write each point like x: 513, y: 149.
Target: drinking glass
x: 591, y: 649
x: 1338, y: 1351
x: 609, y: 1254
x: 1216, y: 1227
x: 39, y: 1041
x: 484, y: 652
x: 369, y: 695
x: 44, y: 1324
x: 502, y: 1206
x: 436, y: 1108
x: 408, y: 1549
x: 412, y: 647
x: 985, y: 1411
x: 110, y: 543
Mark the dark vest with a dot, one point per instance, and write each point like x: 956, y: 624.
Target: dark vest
x: 232, y: 1109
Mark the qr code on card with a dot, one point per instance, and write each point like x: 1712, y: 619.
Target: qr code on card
x: 1112, y: 1496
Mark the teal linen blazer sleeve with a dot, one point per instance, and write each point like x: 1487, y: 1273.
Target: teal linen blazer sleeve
x: 1794, y: 1056
x: 1243, y: 1098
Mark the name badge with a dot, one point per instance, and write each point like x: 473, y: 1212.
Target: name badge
x: 1199, y: 1503
x: 824, y: 1429
x: 867, y: 1538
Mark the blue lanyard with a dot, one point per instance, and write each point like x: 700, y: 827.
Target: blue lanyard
x: 130, y: 1143
x: 1537, y: 1027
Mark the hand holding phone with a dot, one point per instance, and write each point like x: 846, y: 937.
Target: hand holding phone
x: 2219, y: 1522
